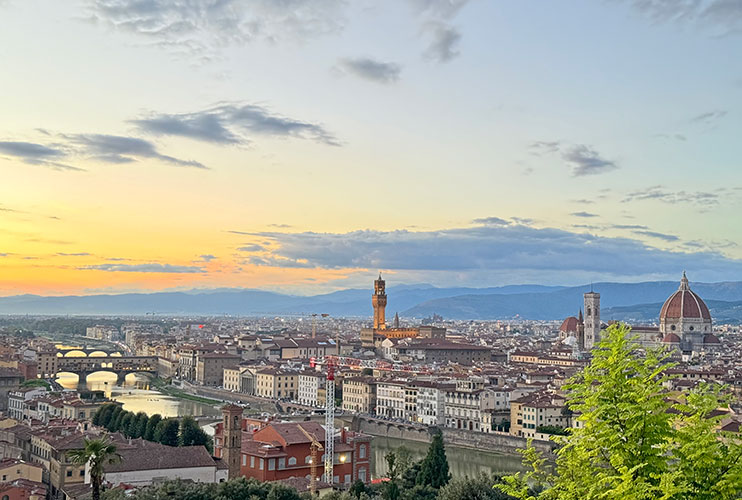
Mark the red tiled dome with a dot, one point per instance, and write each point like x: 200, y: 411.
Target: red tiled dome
x: 569, y: 325
x: 710, y: 338
x: 671, y: 338
x: 684, y: 303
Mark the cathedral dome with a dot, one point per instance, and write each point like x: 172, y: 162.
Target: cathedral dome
x: 569, y: 325
x: 671, y: 338
x: 684, y: 304
x: 710, y: 339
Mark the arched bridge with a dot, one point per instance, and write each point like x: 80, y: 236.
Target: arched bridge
x: 83, y: 352
x: 121, y: 366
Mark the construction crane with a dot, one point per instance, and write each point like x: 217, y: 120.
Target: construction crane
x: 330, y: 422
x: 374, y: 364
x: 315, y: 447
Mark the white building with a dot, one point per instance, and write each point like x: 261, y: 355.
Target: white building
x: 390, y: 399
x: 465, y: 403
x: 431, y: 403
x: 310, y: 384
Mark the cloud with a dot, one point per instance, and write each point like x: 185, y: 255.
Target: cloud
x: 709, y: 117
x: 121, y: 149
x: 584, y: 214
x: 655, y: 234
x: 144, y: 268
x: 207, y: 257
x: 493, y: 252
x: 251, y: 248
x: 660, y: 236
x: 369, y: 69
x: 540, y: 148
x: 586, y: 161
x: 491, y: 221
x: 704, y: 199
x: 444, y: 41
x: 204, y: 27
x: 723, y: 16
x: 37, y: 154
x: 628, y: 226
x: 279, y: 262
x: 78, y: 254
x: 232, y: 123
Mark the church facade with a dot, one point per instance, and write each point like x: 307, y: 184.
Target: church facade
x: 685, y: 324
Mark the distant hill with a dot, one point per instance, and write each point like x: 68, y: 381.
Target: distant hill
x: 567, y: 301
x: 721, y: 312
x: 619, y: 300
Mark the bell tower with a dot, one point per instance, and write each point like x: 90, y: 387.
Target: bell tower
x: 378, y: 300
x: 592, y: 319
x: 232, y: 434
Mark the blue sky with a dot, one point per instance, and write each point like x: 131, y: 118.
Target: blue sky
x: 301, y: 145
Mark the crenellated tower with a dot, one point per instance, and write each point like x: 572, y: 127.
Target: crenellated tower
x: 378, y: 300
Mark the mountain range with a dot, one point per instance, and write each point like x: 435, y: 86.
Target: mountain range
x: 625, y: 301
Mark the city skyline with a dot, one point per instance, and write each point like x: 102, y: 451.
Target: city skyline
x: 306, y: 145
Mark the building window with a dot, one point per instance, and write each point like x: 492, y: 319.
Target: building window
x: 362, y: 474
x: 69, y: 473
x: 292, y: 460
x: 271, y: 464
x: 252, y: 462
x: 281, y: 463
x: 362, y: 451
x: 82, y: 473
x: 308, y: 459
x: 244, y: 459
x: 262, y: 464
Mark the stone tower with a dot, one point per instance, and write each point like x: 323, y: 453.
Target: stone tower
x: 378, y: 300
x: 592, y: 319
x: 232, y: 446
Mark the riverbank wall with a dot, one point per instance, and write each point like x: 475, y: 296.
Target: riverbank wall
x: 490, y: 442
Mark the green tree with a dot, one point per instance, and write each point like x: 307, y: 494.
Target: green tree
x: 635, y: 440
x: 434, y: 467
x: 113, y: 417
x: 98, y: 453
x: 125, y: 423
x: 280, y: 491
x: 167, y: 432
x: 102, y: 414
x: 552, y: 429
x: 138, y: 425
x: 115, y: 424
x: 149, y: 433
x: 472, y: 488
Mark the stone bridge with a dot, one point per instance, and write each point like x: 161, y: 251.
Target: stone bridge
x: 120, y: 365
x: 87, y: 352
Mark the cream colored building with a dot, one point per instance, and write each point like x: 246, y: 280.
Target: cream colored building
x: 276, y: 384
x: 537, y: 409
x: 359, y: 394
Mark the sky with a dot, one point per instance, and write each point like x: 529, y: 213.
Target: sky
x: 305, y: 145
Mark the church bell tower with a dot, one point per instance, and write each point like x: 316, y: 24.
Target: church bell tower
x: 232, y: 446
x: 378, y: 300
x: 592, y: 319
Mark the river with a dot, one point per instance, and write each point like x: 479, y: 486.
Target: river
x: 461, y: 461
x: 136, y: 396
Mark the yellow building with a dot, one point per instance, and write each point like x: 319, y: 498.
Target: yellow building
x: 12, y: 469
x: 359, y: 394
x: 276, y: 384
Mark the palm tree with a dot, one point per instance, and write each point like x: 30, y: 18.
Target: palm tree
x: 98, y: 452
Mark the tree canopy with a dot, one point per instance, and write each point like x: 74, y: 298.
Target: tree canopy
x: 636, y: 439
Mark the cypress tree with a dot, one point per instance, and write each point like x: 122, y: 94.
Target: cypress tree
x: 149, y: 433
x: 115, y: 424
x: 167, y: 432
x: 434, y: 470
x: 123, y: 426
